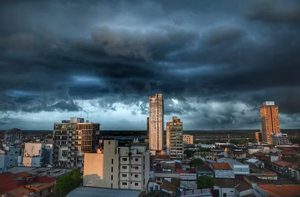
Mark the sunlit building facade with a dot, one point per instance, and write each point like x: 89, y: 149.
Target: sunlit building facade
x: 71, y: 139
x: 174, y: 139
x: 269, y: 121
x: 156, y: 122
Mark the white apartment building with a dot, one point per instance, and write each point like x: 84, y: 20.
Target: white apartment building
x: 188, y: 139
x: 117, y: 167
x: 156, y: 123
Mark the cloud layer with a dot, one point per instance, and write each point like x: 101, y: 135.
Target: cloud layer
x: 214, y: 62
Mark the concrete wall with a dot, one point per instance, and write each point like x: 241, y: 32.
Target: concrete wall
x: 32, y: 161
x: 33, y: 149
x: 224, y: 174
x: 230, y: 192
x: 101, y: 170
x: 93, y: 171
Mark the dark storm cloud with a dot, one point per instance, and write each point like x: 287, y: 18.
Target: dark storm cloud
x: 275, y: 11
x: 196, y: 52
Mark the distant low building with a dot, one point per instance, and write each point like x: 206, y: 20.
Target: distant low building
x: 280, y: 139
x: 188, y: 139
x: 13, y: 135
x: 222, y: 170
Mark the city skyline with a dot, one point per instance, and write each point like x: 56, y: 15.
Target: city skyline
x: 214, y: 62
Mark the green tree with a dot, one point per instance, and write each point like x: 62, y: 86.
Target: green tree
x: 189, y: 153
x: 205, y: 181
x: 196, y: 163
x: 201, y: 149
x: 67, y: 183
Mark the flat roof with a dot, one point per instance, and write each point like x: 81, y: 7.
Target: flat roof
x: 101, y: 192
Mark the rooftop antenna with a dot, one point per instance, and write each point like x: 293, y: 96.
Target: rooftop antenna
x: 81, y: 106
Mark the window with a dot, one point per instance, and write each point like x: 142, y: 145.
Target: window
x: 136, y: 176
x: 112, y: 177
x: 16, y: 152
x: 111, y: 185
x: 112, y: 169
x: 124, y: 167
x: 124, y: 175
x: 136, y: 184
x: 136, y: 168
x: 108, y: 142
x: 136, y: 159
x: 124, y: 183
x: 112, y: 161
x: 124, y: 159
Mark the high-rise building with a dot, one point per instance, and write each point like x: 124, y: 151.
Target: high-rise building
x: 118, y: 167
x: 148, y: 127
x: 13, y: 135
x: 156, y: 122
x: 188, y: 139
x: 269, y: 120
x: 71, y: 139
x: 174, y: 139
x: 258, y: 137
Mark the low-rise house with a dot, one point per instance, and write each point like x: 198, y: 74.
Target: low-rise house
x: 222, y: 170
x: 21, y: 184
x: 281, y: 167
x: 239, y: 168
x: 204, y: 170
x: 294, y: 172
x: 171, y: 187
x: 232, y: 188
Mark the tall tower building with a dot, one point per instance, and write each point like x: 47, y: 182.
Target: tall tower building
x: 156, y: 122
x: 71, y: 139
x: 269, y: 121
x: 174, y: 139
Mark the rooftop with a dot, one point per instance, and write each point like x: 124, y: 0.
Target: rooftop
x: 281, y: 190
x: 221, y: 166
x: 92, y: 192
x: 240, y: 185
x: 205, y: 167
x: 282, y: 163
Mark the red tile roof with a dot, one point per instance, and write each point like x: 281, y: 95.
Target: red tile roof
x: 181, y: 170
x: 288, y: 152
x: 282, y: 163
x: 221, y: 166
x: 269, y: 172
x: 281, y: 190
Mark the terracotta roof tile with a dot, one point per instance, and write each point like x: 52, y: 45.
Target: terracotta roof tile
x: 221, y: 166
x: 166, y: 185
x: 288, y: 153
x: 282, y: 163
x: 281, y: 190
x: 205, y: 167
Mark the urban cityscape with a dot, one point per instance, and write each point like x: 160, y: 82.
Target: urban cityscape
x: 149, y: 98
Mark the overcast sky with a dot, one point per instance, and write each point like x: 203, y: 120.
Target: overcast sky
x: 215, y: 62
